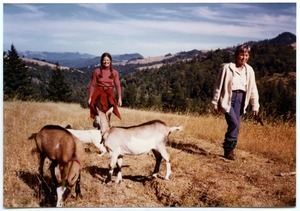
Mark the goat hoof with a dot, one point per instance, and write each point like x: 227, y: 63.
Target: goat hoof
x: 118, y: 180
x: 154, y: 175
x: 167, y: 177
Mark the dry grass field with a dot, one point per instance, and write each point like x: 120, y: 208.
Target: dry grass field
x: 200, y: 177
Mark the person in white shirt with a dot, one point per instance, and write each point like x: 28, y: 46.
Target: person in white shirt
x: 234, y: 89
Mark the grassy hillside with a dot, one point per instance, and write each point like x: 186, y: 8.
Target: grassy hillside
x: 201, y: 177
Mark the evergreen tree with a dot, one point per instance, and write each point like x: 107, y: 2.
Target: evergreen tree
x: 130, y: 95
x: 17, y: 83
x: 58, y: 89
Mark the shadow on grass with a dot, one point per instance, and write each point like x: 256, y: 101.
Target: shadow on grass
x: 188, y: 148
x: 43, y: 187
x: 101, y: 174
x: 138, y: 178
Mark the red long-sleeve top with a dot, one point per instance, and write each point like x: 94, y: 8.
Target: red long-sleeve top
x: 105, y: 81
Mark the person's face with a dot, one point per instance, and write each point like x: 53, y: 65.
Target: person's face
x: 106, y: 62
x: 242, y: 58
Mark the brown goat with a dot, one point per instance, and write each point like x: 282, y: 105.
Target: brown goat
x: 67, y: 155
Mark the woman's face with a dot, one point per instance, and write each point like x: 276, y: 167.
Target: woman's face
x: 242, y: 58
x: 106, y: 62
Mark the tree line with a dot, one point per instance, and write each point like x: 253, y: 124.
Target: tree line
x: 184, y: 86
x: 187, y: 86
x: 17, y: 83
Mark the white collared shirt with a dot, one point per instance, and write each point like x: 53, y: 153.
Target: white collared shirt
x: 239, y: 81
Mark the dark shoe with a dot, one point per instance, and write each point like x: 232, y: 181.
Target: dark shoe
x: 229, y: 155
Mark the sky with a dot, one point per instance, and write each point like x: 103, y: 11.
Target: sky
x: 151, y: 29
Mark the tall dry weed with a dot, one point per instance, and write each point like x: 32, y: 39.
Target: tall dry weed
x: 278, y: 142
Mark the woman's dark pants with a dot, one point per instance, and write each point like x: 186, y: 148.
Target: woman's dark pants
x: 233, y: 119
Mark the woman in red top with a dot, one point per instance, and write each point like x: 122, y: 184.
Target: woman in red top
x: 101, y: 91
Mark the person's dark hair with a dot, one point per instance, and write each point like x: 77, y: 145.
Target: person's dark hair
x: 241, y: 49
x: 101, y: 62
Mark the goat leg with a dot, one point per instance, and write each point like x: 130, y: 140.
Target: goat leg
x: 109, y: 175
x: 119, y: 167
x: 52, y: 170
x: 158, y: 158
x: 112, y: 165
x: 77, y: 188
x: 168, y: 170
x: 166, y: 157
x: 41, y: 192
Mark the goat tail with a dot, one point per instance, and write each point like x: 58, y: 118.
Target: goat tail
x: 176, y: 128
x: 33, y: 136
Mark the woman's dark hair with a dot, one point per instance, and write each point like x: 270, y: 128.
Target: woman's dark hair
x: 241, y: 49
x: 101, y: 62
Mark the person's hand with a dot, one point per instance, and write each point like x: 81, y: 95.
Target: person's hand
x: 216, y: 110
x: 256, y: 118
x: 89, y: 101
x: 120, y: 102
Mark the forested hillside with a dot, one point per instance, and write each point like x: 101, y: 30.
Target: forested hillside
x: 183, y: 83
x: 187, y: 86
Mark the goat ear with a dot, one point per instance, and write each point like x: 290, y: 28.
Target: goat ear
x: 98, y: 111
x: 109, y: 111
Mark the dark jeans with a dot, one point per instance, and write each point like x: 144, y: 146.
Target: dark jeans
x: 233, y: 119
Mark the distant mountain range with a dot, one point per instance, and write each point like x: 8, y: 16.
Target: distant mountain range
x: 81, y: 60
x: 285, y: 38
x: 74, y: 59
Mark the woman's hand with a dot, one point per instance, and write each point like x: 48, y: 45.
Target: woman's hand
x: 120, y: 102
x: 89, y: 101
x: 216, y: 110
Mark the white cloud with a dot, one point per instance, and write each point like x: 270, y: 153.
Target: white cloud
x: 161, y: 30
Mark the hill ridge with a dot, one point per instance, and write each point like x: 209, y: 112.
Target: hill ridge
x: 80, y: 60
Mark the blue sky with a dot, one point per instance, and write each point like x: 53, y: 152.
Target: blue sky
x: 151, y: 29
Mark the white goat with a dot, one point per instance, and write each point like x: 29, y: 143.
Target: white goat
x: 90, y: 136
x: 134, y: 140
